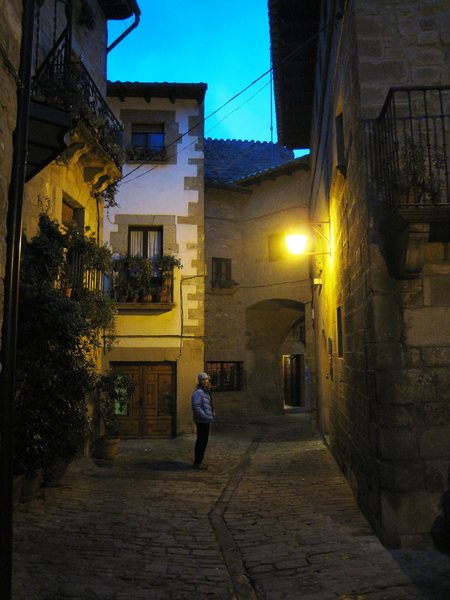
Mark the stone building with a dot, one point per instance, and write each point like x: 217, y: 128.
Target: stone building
x: 160, y: 330
x: 74, y: 139
x: 258, y: 297
x: 60, y: 147
x: 10, y: 40
x: 365, y: 85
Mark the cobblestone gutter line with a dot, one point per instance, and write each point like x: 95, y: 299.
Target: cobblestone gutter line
x: 233, y: 560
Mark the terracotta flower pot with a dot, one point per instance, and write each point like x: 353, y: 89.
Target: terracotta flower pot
x: 106, y: 447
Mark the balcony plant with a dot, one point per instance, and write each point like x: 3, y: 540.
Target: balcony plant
x: 85, y: 260
x: 138, y: 154
x: 135, y: 279
x: 165, y: 264
x: 114, y: 391
x: 420, y: 174
x: 56, y: 363
x: 224, y: 283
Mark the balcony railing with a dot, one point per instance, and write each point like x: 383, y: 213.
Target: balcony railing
x: 408, y: 149
x: 136, y: 280
x: 65, y: 84
x: 138, y: 154
x: 78, y: 277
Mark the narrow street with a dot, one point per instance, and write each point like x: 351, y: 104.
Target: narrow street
x: 272, y: 518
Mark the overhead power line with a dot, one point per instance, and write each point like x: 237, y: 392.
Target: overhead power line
x: 294, y: 53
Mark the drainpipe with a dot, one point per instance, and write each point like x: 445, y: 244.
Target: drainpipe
x: 11, y: 290
x: 137, y: 17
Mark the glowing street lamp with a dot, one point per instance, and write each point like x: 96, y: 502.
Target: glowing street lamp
x: 297, y: 243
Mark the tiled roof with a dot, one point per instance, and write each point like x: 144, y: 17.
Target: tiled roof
x: 227, y: 161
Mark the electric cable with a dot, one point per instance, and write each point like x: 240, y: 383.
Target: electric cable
x: 284, y: 61
x: 178, y: 152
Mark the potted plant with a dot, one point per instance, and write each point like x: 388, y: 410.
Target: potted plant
x: 145, y: 280
x: 114, y: 390
x: 165, y: 264
x: 420, y: 174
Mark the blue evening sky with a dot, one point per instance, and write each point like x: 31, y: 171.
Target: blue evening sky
x: 223, y: 43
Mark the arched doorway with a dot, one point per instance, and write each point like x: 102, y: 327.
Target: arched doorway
x: 269, y: 327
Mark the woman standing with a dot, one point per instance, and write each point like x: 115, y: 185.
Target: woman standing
x: 203, y: 413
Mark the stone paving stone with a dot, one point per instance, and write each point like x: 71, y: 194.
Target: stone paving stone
x: 146, y: 526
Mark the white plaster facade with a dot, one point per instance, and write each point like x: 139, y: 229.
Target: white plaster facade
x: 166, y: 195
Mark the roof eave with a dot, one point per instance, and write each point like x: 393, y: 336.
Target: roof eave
x: 118, y: 10
x: 293, y: 29
x: 173, y: 91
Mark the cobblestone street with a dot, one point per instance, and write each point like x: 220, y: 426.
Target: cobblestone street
x: 272, y: 518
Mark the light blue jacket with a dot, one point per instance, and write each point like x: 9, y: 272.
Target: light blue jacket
x: 202, y: 406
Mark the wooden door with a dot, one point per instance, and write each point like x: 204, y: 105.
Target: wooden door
x: 151, y: 410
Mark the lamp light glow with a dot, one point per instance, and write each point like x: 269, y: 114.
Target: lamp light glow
x: 296, y: 243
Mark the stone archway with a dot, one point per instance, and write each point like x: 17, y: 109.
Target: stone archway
x: 267, y: 325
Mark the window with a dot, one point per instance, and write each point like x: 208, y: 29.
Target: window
x: 147, y: 141
x: 225, y: 376
x: 150, y: 137
x: 72, y: 215
x: 221, y: 272
x: 340, y: 345
x: 145, y: 241
x: 277, y: 247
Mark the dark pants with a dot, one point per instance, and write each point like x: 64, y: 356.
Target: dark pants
x: 202, y: 442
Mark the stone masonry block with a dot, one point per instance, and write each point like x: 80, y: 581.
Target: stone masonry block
x: 435, y: 413
x: 397, y: 444
x: 394, y: 416
x: 404, y: 387
x: 428, y: 58
x: 437, y: 291
x: 436, y: 356
x: 427, y: 326
x: 435, y: 442
x: 402, y: 477
x: 370, y: 48
x: 385, y: 71
x: 407, y: 513
x: 428, y: 38
x: 386, y: 318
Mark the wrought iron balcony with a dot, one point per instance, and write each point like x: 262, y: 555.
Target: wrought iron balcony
x: 67, y: 85
x: 136, y: 280
x: 409, y: 152
x: 81, y: 275
x: 139, y: 154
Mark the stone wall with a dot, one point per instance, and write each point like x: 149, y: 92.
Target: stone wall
x: 410, y: 351
x: 10, y: 39
x: 383, y: 405
x: 170, y: 197
x: 400, y: 42
x: 252, y: 321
